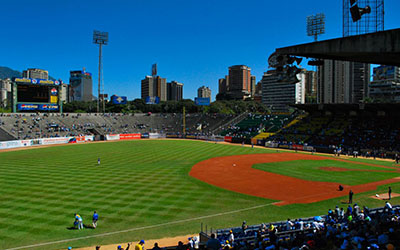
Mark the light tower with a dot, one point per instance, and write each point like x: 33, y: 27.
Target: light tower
x: 316, y: 25
x: 100, y: 38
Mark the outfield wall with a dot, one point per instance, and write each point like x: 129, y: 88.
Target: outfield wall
x: 45, y: 141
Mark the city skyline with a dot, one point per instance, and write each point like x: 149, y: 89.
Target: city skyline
x: 192, y: 43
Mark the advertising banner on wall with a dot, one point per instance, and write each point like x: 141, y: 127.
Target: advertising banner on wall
x: 129, y: 136
x: 10, y: 144
x: 112, y: 137
x: 152, y: 100
x: 56, y: 140
x: 35, y: 81
x: 119, y: 100
x: 48, y: 107
x: 25, y: 107
x: 43, y: 107
x: 297, y: 147
x: 202, y: 101
x: 154, y: 135
x: 228, y: 138
x: 44, y: 141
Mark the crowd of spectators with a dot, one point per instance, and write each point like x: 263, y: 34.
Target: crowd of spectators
x: 254, y: 124
x: 355, y: 228
x: 367, y: 135
x: 47, y: 125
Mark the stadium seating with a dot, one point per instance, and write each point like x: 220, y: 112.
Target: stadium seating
x: 368, y: 134
x: 372, y: 228
x: 254, y: 124
x: 32, y: 125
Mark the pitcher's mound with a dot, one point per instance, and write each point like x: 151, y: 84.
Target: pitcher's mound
x: 384, y: 196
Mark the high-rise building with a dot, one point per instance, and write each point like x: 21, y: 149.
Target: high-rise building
x: 239, y: 84
x: 154, y: 86
x: 223, y: 84
x: 64, y: 95
x: 240, y: 78
x: 174, y: 91
x: 204, y: 92
x: 80, y: 86
x: 310, y: 81
x: 278, y: 95
x: 5, y: 92
x: 36, y: 74
x: 252, y: 85
x: 258, y: 92
x: 342, y: 82
x: 350, y: 79
x: 385, y: 85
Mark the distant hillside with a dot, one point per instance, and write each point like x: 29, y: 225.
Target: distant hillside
x: 6, y: 72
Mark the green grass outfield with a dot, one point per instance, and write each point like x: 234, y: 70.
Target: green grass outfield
x: 310, y: 170
x: 142, y: 186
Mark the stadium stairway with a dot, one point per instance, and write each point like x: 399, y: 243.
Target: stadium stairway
x: 5, y: 136
x: 296, y: 120
x: 264, y: 135
x: 235, y: 120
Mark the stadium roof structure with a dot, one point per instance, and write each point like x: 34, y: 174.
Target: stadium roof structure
x: 376, y: 48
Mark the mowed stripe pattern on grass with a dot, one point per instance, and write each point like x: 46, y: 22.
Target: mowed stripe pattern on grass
x: 138, y: 183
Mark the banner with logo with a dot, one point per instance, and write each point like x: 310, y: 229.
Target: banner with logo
x: 35, y: 81
x: 112, y: 137
x: 118, y: 100
x: 129, y: 136
x: 228, y: 138
x: 202, y: 101
x: 154, y: 135
x: 44, y: 107
x: 45, y: 141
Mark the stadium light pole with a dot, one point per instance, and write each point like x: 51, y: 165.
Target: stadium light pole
x: 316, y: 25
x: 100, y: 38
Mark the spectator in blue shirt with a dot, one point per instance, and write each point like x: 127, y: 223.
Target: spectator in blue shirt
x: 95, y: 218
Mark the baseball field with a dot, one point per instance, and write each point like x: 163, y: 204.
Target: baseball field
x: 149, y: 189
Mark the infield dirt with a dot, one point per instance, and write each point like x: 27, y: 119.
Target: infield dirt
x: 235, y: 173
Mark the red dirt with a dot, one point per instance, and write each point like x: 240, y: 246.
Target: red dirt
x: 235, y: 173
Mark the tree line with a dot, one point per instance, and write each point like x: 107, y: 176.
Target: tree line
x: 139, y: 106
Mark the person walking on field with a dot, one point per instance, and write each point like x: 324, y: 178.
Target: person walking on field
x: 350, y: 196
x: 390, y: 193
x: 95, y: 219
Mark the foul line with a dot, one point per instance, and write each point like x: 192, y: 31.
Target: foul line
x: 139, y: 228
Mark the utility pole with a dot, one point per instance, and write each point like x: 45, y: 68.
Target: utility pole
x: 184, y: 121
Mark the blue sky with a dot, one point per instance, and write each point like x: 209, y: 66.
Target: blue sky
x: 193, y: 42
